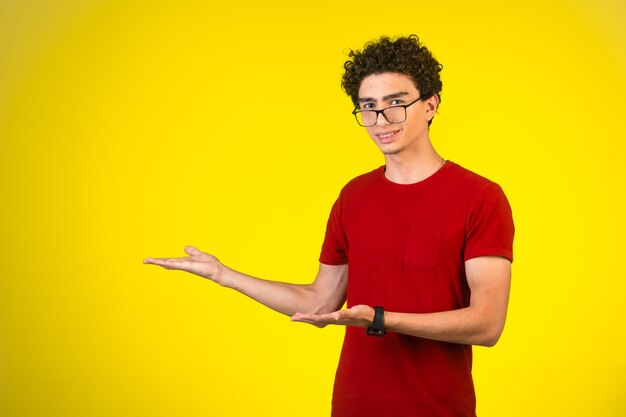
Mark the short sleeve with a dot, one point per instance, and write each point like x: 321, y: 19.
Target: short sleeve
x: 489, y: 225
x: 334, y: 250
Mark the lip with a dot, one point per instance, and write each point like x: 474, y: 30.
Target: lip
x: 387, y: 136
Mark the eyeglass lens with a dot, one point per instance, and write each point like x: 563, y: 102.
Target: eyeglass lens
x: 392, y: 115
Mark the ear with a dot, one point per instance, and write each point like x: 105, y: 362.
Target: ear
x: 431, y: 106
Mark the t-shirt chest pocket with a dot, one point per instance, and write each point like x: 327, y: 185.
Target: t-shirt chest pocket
x: 421, y: 249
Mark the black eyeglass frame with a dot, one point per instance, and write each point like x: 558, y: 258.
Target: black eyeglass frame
x: 356, y: 112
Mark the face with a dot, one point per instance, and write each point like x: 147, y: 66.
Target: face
x: 379, y: 91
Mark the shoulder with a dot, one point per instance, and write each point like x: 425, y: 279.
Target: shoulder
x: 485, y: 200
x: 472, y: 183
x: 467, y: 177
x: 364, y: 181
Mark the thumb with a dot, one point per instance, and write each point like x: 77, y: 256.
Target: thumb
x: 192, y: 251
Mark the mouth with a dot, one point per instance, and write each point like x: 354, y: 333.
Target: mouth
x: 387, y: 137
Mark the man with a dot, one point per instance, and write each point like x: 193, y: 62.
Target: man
x: 420, y: 248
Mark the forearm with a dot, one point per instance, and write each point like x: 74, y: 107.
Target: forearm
x: 327, y: 292
x: 468, y: 326
x: 481, y: 323
x: 282, y: 297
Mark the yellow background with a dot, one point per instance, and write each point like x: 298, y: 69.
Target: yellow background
x: 130, y: 129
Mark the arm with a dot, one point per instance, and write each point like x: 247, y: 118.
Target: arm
x: 327, y: 292
x: 481, y: 323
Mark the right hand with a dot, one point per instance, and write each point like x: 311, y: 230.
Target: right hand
x: 199, y: 263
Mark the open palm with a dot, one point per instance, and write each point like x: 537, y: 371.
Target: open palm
x: 198, y: 262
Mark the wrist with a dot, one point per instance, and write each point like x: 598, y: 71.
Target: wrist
x: 222, y: 275
x: 370, y: 318
x: 377, y: 327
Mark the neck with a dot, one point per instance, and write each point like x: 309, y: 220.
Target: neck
x: 410, y: 169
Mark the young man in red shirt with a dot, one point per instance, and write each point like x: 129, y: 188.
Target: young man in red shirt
x: 420, y: 249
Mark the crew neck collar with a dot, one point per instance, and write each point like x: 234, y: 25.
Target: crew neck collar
x: 445, y: 167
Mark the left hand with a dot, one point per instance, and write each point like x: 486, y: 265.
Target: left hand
x: 358, y: 316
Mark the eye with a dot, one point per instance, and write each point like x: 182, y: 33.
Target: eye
x: 367, y: 106
x: 395, y: 102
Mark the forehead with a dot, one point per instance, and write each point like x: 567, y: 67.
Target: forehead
x: 379, y: 85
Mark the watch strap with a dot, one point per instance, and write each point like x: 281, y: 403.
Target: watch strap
x: 378, y: 324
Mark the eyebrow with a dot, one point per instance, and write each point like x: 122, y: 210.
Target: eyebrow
x: 385, y: 98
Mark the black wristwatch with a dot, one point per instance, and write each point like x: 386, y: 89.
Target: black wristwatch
x: 378, y: 325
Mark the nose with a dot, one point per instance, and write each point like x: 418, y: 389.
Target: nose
x: 381, y: 120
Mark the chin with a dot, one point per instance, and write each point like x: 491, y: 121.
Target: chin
x: 389, y: 150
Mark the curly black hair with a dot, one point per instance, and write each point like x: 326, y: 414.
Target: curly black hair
x: 404, y: 55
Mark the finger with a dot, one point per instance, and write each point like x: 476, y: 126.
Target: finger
x: 170, y: 263
x: 192, y: 251
x: 348, y: 314
x: 305, y: 317
x: 312, y: 322
x: 299, y: 317
x: 153, y: 261
x: 160, y: 260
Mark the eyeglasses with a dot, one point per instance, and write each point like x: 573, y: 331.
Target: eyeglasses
x: 393, y: 114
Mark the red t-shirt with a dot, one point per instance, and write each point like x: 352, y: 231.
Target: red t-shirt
x: 406, y: 246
